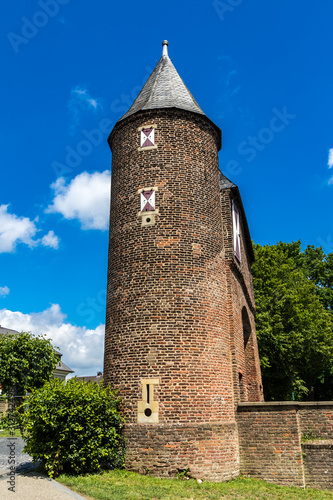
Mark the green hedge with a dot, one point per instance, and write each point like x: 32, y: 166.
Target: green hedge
x: 74, y: 427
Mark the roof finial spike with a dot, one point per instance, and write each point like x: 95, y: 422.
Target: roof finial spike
x: 165, y: 44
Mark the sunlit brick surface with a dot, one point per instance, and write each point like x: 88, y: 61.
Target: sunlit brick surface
x: 170, y: 310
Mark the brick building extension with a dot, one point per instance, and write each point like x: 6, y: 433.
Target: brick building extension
x: 180, y: 342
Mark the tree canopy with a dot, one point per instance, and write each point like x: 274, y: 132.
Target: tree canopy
x: 294, y: 298
x: 319, y: 269
x: 26, y: 362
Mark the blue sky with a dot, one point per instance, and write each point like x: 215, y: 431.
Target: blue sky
x: 262, y: 71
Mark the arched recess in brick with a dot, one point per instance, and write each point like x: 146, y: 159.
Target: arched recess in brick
x: 246, y: 327
x: 250, y: 367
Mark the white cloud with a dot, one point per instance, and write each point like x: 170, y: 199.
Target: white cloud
x: 4, y: 290
x: 80, y: 100
x: 14, y: 229
x: 330, y: 158
x: 50, y: 240
x: 82, y: 348
x: 93, y: 103
x: 330, y: 163
x: 86, y: 198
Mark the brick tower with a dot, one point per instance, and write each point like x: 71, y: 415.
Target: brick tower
x: 180, y: 340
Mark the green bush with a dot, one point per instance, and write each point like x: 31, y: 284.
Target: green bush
x: 74, y: 427
x: 10, y: 420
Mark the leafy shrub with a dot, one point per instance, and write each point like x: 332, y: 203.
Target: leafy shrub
x: 26, y: 362
x: 10, y: 420
x: 74, y: 427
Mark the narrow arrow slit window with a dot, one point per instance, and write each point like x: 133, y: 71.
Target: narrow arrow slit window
x: 236, y: 231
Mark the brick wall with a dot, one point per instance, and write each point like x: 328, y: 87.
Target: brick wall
x: 317, y: 418
x: 207, y: 450
x: 318, y: 464
x: 270, y: 442
x: 167, y: 291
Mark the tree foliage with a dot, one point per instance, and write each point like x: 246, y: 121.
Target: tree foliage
x: 319, y: 269
x: 26, y: 362
x: 293, y: 291
x: 74, y: 427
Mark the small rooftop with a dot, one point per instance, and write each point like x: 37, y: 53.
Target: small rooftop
x: 226, y: 183
x: 61, y: 367
x: 3, y: 331
x: 92, y: 378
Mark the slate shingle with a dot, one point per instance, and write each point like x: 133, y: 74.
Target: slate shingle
x: 164, y: 89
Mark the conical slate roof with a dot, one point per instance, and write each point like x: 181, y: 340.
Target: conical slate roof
x: 164, y: 89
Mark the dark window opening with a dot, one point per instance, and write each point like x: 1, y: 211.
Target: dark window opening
x: 246, y: 326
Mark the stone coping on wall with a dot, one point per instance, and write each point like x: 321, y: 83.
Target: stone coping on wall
x: 279, y: 404
x: 318, y: 443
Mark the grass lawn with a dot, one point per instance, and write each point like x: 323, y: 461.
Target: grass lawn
x: 6, y: 433
x: 124, y: 485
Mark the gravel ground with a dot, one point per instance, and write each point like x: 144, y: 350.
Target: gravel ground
x: 22, y: 460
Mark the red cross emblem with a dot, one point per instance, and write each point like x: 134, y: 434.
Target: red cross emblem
x: 147, y: 137
x: 148, y: 201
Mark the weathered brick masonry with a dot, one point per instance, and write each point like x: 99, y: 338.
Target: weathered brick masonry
x: 271, y: 448
x: 316, y: 420
x: 241, y: 305
x: 318, y: 464
x: 167, y: 287
x: 207, y: 449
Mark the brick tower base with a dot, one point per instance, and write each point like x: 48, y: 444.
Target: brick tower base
x: 210, y: 451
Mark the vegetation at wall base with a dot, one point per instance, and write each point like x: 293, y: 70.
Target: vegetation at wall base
x: 125, y: 485
x: 74, y: 427
x: 294, y: 321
